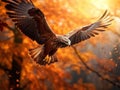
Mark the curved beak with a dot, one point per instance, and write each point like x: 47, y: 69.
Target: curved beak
x: 68, y: 43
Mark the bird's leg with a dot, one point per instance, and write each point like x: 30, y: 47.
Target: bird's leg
x: 47, y: 59
x: 54, y: 58
x: 50, y: 59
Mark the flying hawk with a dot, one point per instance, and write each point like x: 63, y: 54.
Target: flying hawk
x: 31, y: 21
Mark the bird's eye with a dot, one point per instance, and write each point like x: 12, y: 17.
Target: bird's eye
x: 66, y: 41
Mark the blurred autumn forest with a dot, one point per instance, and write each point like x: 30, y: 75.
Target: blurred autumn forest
x: 93, y: 64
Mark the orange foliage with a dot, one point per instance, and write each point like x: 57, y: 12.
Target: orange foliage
x: 62, y: 16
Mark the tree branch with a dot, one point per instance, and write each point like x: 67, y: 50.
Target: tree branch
x: 97, y: 73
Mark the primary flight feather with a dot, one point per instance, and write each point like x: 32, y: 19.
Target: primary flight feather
x: 31, y: 21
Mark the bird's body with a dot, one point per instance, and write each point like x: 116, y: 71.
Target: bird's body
x: 31, y: 21
x: 49, y: 49
x: 51, y: 44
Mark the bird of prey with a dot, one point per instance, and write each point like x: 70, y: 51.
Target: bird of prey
x: 31, y: 21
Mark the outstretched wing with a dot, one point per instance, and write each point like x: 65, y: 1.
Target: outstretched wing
x: 29, y: 19
x: 91, y: 30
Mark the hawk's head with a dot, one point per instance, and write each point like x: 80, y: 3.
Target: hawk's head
x: 64, y: 41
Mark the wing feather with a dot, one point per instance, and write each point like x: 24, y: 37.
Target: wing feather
x: 91, y: 30
x: 34, y: 26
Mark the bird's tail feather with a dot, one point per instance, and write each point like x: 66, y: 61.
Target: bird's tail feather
x: 38, y: 56
x: 34, y: 53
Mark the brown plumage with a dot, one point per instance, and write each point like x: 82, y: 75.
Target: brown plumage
x: 31, y: 21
